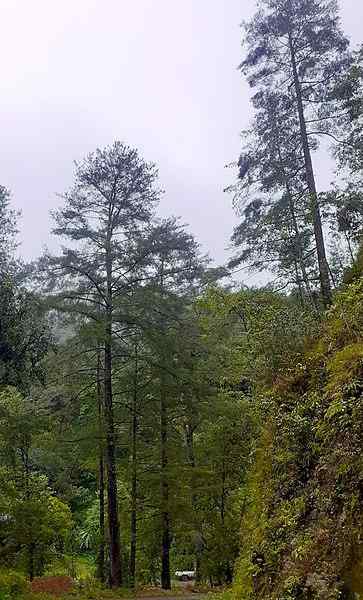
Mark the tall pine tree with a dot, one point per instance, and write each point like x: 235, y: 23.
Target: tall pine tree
x: 103, y: 220
x: 296, y: 48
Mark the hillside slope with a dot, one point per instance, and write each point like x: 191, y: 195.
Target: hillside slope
x: 302, y: 525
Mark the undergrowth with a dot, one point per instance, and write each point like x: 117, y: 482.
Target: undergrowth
x: 302, y: 524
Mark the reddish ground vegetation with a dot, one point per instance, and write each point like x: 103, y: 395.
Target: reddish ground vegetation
x: 52, y: 585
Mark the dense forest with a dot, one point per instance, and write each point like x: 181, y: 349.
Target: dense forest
x: 157, y: 414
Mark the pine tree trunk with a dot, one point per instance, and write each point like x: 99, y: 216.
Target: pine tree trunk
x: 300, y: 255
x: 101, y: 571
x: 347, y: 237
x: 113, y: 518
x: 134, y: 482
x: 197, y: 535
x: 164, y: 482
x: 310, y: 179
x: 165, y: 518
x: 101, y: 574
x: 298, y: 283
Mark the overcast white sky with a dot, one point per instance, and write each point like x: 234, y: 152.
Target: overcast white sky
x: 160, y: 75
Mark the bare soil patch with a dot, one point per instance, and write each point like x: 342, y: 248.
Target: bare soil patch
x: 52, y: 585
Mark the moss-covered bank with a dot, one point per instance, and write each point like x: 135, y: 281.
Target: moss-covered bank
x: 302, y: 534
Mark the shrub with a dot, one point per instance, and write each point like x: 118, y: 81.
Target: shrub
x: 12, y: 584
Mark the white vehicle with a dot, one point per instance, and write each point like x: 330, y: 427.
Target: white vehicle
x: 185, y: 575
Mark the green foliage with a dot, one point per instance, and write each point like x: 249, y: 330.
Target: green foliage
x: 208, y: 424
x: 303, y: 520
x: 12, y: 584
x: 24, y: 336
x: 8, y: 233
x: 267, y: 332
x: 35, y: 523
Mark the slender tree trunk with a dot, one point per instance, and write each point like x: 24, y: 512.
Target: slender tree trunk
x: 101, y: 569
x: 298, y: 283
x: 198, y: 545
x: 299, y: 250
x: 134, y: 481
x: 223, y: 491
x: 310, y: 179
x: 101, y: 572
x: 31, y: 568
x: 113, y: 518
x: 346, y: 235
x: 31, y: 545
x: 165, y: 517
x: 164, y: 478
x: 298, y: 247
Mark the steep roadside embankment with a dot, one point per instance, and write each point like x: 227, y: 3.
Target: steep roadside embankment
x: 302, y: 526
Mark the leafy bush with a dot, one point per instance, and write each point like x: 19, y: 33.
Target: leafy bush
x: 12, y: 584
x: 36, y: 522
